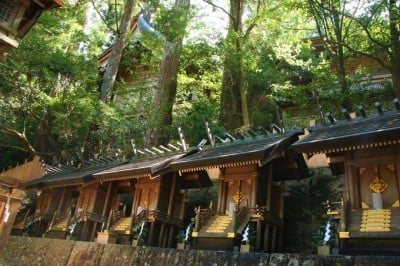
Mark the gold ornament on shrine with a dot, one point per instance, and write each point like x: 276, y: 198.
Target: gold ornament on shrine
x: 378, y: 185
x: 238, y: 196
x: 146, y: 203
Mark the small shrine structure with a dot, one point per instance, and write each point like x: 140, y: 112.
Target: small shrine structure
x: 250, y: 169
x: 17, y: 17
x: 12, y: 193
x: 365, y: 151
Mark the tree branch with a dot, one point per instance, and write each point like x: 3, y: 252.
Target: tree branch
x: 21, y: 138
x: 103, y: 18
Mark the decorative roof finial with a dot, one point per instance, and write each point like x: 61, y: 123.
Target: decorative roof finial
x: 134, y: 149
x: 209, y: 133
x: 396, y: 103
x: 346, y: 114
x: 332, y: 120
x: 252, y: 133
x: 229, y: 136
x: 362, y: 111
x: 276, y: 128
x: 182, y: 138
x: 263, y: 130
x: 240, y: 135
x: 379, y: 107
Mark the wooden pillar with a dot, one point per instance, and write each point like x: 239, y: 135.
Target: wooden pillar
x: 94, y: 231
x: 269, y: 188
x: 107, y: 200
x: 254, y: 184
x: 281, y: 214
x: 266, y: 237
x: 84, y: 231
x: 151, y: 233
x: 258, y: 236
x: 136, y: 199
x: 219, y: 203
x: 170, y: 237
x: 350, y: 182
x: 221, y: 179
x: 132, y: 216
x: 165, y: 236
x: 273, y: 242
x: 61, y: 200
x: 183, y: 204
x: 268, y: 207
x: 15, y: 198
x: 224, y: 197
x: 172, y: 194
x: 397, y: 169
x: 161, y: 235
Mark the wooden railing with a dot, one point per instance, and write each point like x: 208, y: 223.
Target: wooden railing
x: 95, y: 217
x: 261, y: 213
x: 58, y: 217
x: 165, y: 218
x: 139, y: 219
x: 343, y: 214
x: 241, y: 218
x: 202, y: 216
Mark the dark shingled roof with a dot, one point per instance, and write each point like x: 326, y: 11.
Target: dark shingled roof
x: 259, y: 148
x: 73, y: 175
x: 378, y: 129
x: 138, y: 167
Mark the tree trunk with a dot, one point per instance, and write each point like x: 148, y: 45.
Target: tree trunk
x: 116, y: 53
x: 394, y: 14
x: 167, y: 83
x: 341, y: 70
x: 233, y: 110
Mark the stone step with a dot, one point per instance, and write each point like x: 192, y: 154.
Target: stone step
x: 215, y: 231
x: 217, y: 227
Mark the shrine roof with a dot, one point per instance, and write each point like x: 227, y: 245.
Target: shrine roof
x: 66, y: 175
x: 138, y: 167
x: 380, y: 129
x: 257, y: 149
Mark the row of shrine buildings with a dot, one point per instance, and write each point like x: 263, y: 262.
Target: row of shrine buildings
x: 144, y: 200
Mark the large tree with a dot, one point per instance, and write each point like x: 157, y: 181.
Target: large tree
x: 377, y: 35
x: 174, y: 23
x: 121, y: 37
x: 233, y: 110
x: 333, y: 28
x: 48, y: 90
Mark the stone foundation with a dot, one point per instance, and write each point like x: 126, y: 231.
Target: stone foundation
x: 43, y: 251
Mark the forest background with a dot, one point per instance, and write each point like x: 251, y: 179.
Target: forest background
x: 235, y: 63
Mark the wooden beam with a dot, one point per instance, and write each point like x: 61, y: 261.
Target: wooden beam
x: 8, y: 41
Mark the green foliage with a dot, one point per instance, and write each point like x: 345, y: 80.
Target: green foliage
x: 171, y: 22
x: 306, y: 212
x: 180, y: 236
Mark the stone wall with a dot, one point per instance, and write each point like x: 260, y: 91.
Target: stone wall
x: 42, y: 251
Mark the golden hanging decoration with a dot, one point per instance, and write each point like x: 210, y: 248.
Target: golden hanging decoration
x: 378, y: 185
x: 238, y: 196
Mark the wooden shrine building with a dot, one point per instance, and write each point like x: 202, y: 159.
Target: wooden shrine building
x: 17, y: 17
x: 251, y: 171
x: 70, y: 201
x: 143, y: 200
x: 110, y: 201
x: 156, y: 201
x: 365, y: 150
x: 11, y: 194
